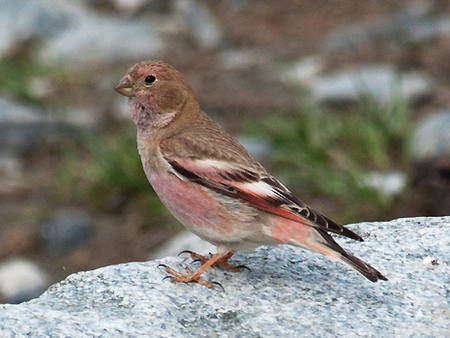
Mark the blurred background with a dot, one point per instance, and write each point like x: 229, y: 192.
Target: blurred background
x: 347, y: 102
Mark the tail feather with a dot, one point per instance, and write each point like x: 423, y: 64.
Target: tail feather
x: 362, y: 267
x: 343, y: 256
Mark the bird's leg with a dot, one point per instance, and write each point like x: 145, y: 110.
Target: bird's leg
x: 191, y: 276
x: 222, y: 262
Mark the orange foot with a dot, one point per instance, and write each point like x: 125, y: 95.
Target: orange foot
x: 222, y: 262
x: 191, y: 277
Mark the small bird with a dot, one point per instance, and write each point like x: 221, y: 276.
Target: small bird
x: 212, y: 185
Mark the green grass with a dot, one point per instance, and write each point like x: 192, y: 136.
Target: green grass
x: 20, y: 69
x: 107, y: 173
x: 327, y: 153
x: 17, y: 73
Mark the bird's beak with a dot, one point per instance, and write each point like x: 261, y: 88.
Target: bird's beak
x: 125, y: 86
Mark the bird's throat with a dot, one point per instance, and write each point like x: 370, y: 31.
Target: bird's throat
x: 145, y: 116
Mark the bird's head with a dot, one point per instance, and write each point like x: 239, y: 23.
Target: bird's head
x: 157, y: 93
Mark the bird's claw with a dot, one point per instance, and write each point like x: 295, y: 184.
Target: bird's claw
x: 218, y: 284
x: 186, y: 251
x: 243, y: 267
x: 190, y: 276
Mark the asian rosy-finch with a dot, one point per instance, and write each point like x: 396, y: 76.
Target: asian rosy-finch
x: 211, y: 184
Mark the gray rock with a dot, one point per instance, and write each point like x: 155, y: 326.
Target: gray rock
x: 156, y: 8
x: 304, y: 71
x: 96, y: 40
x: 11, y: 174
x: 288, y: 292
x: 66, y: 230
x: 236, y: 59
x: 398, y: 26
x: 41, y: 87
x: 23, y: 128
x: 73, y: 34
x: 14, y: 113
x: 20, y: 126
x: 432, y: 136
x: 388, y: 183
x: 25, y: 20
x: 88, y: 118
x: 429, y: 29
x: 380, y: 82
x: 21, y: 280
x: 200, y: 22
x: 129, y: 6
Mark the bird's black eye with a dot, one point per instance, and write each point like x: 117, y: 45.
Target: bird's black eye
x: 150, y: 79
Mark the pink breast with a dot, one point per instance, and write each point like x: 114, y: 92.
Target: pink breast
x: 194, y: 206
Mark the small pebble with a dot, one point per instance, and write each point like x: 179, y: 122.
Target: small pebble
x: 430, y: 261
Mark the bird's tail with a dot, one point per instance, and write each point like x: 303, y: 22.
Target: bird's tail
x: 362, y: 267
x: 322, y: 242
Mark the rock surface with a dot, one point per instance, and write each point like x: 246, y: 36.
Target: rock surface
x: 432, y: 136
x: 26, y: 20
x: 11, y: 173
x: 23, y: 127
x: 388, y: 183
x: 200, y: 22
x: 411, y: 23
x: 93, y: 41
x: 21, y: 280
x: 289, y: 291
x: 380, y: 81
x: 66, y: 230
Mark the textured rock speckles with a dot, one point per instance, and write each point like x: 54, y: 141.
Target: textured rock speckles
x: 288, y: 291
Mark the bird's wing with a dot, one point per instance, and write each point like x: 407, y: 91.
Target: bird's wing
x: 255, y: 187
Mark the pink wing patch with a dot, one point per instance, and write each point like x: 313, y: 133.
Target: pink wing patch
x: 238, y: 183
x: 260, y: 190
